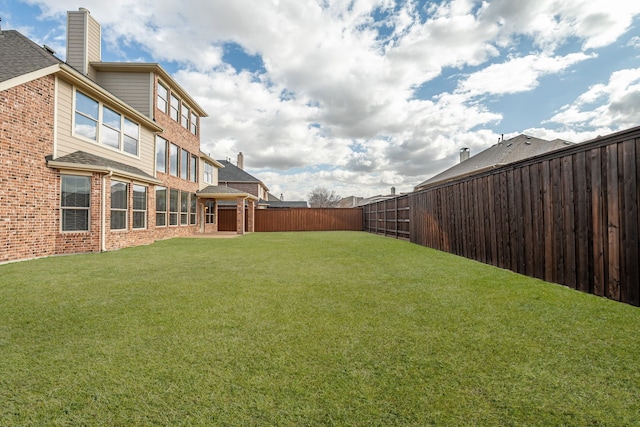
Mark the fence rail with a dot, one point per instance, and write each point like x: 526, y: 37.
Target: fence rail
x: 569, y: 217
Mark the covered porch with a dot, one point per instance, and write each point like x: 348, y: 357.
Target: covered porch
x: 208, y: 199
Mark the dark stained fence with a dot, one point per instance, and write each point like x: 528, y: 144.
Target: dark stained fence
x: 227, y: 220
x: 569, y: 217
x: 308, y: 219
x: 388, y: 217
x: 296, y: 219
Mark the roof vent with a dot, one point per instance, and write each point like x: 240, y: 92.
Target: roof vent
x: 49, y: 49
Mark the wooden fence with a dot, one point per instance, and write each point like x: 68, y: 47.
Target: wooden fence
x: 296, y: 219
x: 388, y: 217
x: 569, y: 217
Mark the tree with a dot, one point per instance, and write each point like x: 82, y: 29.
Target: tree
x: 320, y: 197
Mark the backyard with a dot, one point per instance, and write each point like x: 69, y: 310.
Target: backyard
x: 309, y: 328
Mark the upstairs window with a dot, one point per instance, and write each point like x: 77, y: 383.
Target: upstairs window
x: 131, y: 137
x: 161, y: 154
x: 86, y: 117
x: 194, y: 123
x: 173, y: 159
x: 111, y: 122
x: 163, y: 97
x: 97, y: 122
x: 194, y: 169
x: 184, y: 164
x: 175, y: 108
x: 185, y: 116
x: 208, y: 173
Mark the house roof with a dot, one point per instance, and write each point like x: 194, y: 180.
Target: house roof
x: 223, y: 192
x: 232, y: 173
x: 79, y: 160
x: 286, y: 204
x: 512, y: 150
x: 19, y: 56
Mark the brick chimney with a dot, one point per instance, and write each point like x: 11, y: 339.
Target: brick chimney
x: 241, y: 160
x: 83, y: 41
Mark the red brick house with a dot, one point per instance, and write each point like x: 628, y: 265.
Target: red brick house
x: 98, y: 156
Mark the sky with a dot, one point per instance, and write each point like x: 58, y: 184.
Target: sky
x: 359, y: 96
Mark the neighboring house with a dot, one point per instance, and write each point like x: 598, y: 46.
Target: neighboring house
x: 234, y: 176
x: 504, y: 152
x: 97, y: 156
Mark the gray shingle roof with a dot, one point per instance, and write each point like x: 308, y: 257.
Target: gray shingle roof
x: 512, y: 150
x: 232, y: 173
x: 86, y: 159
x: 19, y: 55
x: 219, y: 189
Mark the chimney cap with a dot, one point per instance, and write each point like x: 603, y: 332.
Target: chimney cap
x: 84, y: 9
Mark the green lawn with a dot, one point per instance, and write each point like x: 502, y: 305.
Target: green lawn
x: 336, y: 328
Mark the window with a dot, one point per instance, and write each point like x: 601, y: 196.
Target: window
x: 208, y: 173
x: 184, y: 208
x: 111, y: 122
x: 210, y: 212
x: 194, y: 169
x: 184, y: 164
x: 163, y: 96
x: 161, y: 206
x: 161, y: 154
x: 116, y: 131
x: 131, y: 137
x: 175, y: 108
x: 194, y: 123
x: 193, y: 209
x: 139, y: 206
x: 119, y: 205
x: 75, y: 199
x: 185, y: 116
x: 173, y: 159
x: 86, y: 117
x: 173, y: 207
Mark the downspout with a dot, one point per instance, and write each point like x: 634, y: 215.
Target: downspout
x: 103, y: 212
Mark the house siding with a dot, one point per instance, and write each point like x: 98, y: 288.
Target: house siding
x: 132, y: 88
x: 67, y: 143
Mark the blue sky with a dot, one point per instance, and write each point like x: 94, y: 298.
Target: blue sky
x: 362, y: 95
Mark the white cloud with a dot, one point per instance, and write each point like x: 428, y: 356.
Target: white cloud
x: 351, y: 119
x: 614, y: 105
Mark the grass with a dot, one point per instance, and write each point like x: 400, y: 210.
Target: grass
x: 337, y: 328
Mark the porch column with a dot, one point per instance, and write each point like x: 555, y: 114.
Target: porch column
x: 240, y: 215
x: 251, y: 205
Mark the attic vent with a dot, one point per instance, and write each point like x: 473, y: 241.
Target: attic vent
x: 49, y: 49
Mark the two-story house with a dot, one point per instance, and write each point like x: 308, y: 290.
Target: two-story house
x: 96, y: 156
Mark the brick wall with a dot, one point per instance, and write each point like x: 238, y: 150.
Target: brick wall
x: 28, y: 191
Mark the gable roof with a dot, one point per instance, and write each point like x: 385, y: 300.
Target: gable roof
x: 232, y: 173
x: 512, y: 150
x: 19, y: 56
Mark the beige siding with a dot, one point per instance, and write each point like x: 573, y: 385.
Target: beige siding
x: 201, y: 183
x: 133, y: 88
x: 76, y: 37
x: 83, y: 41
x: 93, y: 44
x: 67, y: 143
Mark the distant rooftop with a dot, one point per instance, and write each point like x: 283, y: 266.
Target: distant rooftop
x: 505, y: 152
